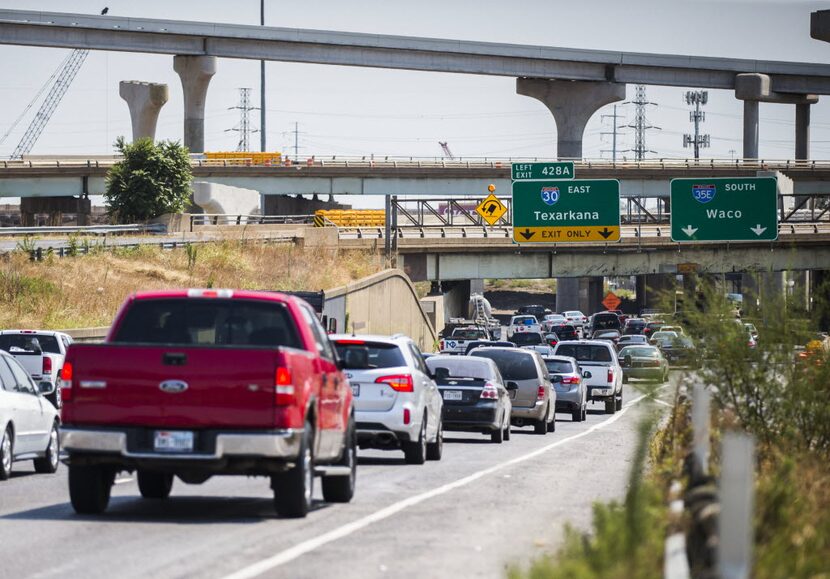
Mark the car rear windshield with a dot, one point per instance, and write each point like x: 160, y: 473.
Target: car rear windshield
x: 635, y: 324
x: 381, y: 355
x: 514, y: 365
x: 462, y: 367
x: 585, y: 352
x: 208, y: 322
x: 639, y: 352
x: 559, y: 367
x: 528, y: 339
x: 28, y: 343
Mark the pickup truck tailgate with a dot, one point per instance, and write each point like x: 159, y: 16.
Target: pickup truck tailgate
x: 172, y: 386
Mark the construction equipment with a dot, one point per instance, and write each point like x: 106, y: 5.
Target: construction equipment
x: 447, y: 152
x: 60, y: 82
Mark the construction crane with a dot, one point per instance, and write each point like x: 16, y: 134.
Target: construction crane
x: 60, y: 81
x: 447, y: 152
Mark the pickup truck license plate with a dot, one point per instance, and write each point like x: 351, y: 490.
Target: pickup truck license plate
x: 356, y: 390
x: 173, y: 441
x: 452, y: 395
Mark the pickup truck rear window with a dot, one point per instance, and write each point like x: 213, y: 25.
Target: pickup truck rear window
x: 27, y: 343
x: 584, y: 352
x: 208, y: 322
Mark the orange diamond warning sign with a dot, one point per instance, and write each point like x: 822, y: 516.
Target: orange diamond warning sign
x: 491, y: 209
x: 611, y: 301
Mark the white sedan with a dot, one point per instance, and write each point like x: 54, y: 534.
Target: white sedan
x: 28, y: 421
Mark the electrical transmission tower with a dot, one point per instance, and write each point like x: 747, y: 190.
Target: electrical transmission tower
x: 641, y: 124
x: 698, y: 141
x: 613, y: 132
x: 244, y: 127
x: 61, y: 79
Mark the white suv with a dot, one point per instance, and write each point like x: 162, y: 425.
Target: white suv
x: 600, y: 358
x: 397, y: 403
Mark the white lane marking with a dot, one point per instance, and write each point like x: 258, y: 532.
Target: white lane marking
x: 122, y: 481
x: 658, y: 401
x: 300, y: 549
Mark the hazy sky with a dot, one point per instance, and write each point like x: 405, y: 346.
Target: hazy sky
x: 360, y: 111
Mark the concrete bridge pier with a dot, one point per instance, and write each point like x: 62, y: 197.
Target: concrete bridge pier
x: 755, y: 88
x: 145, y: 100
x: 654, y: 290
x: 195, y: 73
x: 579, y: 293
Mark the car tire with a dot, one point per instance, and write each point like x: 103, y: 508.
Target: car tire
x: 576, y: 414
x: 154, y: 485
x: 497, y: 436
x: 6, y: 454
x: 610, y: 405
x: 618, y: 402
x: 584, y: 412
x: 625, y: 379
x: 340, y: 489
x: 48, y: 464
x: 90, y: 488
x: 416, y: 452
x: 435, y: 450
x: 294, y: 488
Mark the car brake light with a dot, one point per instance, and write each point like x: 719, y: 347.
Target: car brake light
x: 66, y: 382
x: 47, y: 365
x: 610, y: 375
x: 540, y: 394
x: 570, y: 380
x: 489, y: 392
x: 398, y: 382
x: 351, y: 342
x: 283, y: 387
x: 209, y: 293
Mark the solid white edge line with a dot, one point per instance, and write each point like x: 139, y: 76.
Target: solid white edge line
x: 301, y: 549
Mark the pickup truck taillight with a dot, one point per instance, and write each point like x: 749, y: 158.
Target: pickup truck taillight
x: 66, y: 382
x: 540, y: 394
x: 283, y: 387
x: 610, y: 375
x: 490, y: 392
x: 47, y: 365
x: 398, y: 382
x: 441, y: 345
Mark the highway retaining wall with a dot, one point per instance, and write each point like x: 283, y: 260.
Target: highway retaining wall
x: 383, y: 303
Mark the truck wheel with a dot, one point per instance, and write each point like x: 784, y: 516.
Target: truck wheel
x: 49, y: 463
x: 154, y: 484
x: 293, y: 488
x: 610, y: 405
x: 6, y: 454
x: 552, y: 424
x: 619, y: 401
x: 507, y: 430
x: 89, y: 489
x: 540, y: 427
x: 340, y: 489
x: 416, y: 452
x: 436, y: 449
x: 625, y: 379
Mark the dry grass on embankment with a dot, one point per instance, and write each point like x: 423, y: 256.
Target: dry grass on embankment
x: 85, y: 291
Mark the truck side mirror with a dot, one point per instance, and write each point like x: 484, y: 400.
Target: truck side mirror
x: 511, y: 385
x: 45, y: 387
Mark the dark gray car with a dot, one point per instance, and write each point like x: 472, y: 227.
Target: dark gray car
x: 534, y: 403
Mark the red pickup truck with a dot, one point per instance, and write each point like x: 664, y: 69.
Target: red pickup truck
x: 195, y: 383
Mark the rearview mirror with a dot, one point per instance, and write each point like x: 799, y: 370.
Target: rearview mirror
x: 45, y: 387
x: 586, y: 374
x: 441, y: 374
x: 511, y: 385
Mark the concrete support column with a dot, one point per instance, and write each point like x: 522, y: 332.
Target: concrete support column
x: 195, y: 73
x: 802, y: 131
x: 751, y: 122
x: 579, y: 293
x: 567, y: 294
x: 572, y: 104
x: 145, y: 100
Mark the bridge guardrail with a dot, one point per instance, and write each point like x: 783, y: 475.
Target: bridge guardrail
x: 156, y: 228
x: 232, y: 219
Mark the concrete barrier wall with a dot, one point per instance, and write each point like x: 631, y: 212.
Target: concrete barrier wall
x: 384, y: 303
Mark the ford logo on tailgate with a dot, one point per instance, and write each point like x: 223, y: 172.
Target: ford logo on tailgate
x: 173, y: 386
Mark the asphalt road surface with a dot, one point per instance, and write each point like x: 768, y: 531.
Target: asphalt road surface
x: 480, y: 509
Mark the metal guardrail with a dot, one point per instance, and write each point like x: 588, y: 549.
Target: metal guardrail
x: 229, y: 219
x: 159, y: 228
x: 459, y: 163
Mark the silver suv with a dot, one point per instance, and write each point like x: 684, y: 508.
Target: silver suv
x: 397, y: 403
x: 534, y: 401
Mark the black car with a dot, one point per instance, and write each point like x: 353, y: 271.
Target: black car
x: 538, y: 311
x: 605, y: 321
x: 680, y: 351
x: 565, y: 332
x: 634, y: 326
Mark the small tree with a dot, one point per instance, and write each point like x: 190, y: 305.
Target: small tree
x: 153, y: 179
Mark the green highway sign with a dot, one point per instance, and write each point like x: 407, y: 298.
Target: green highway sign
x: 720, y: 209
x: 566, y: 211
x: 553, y: 170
